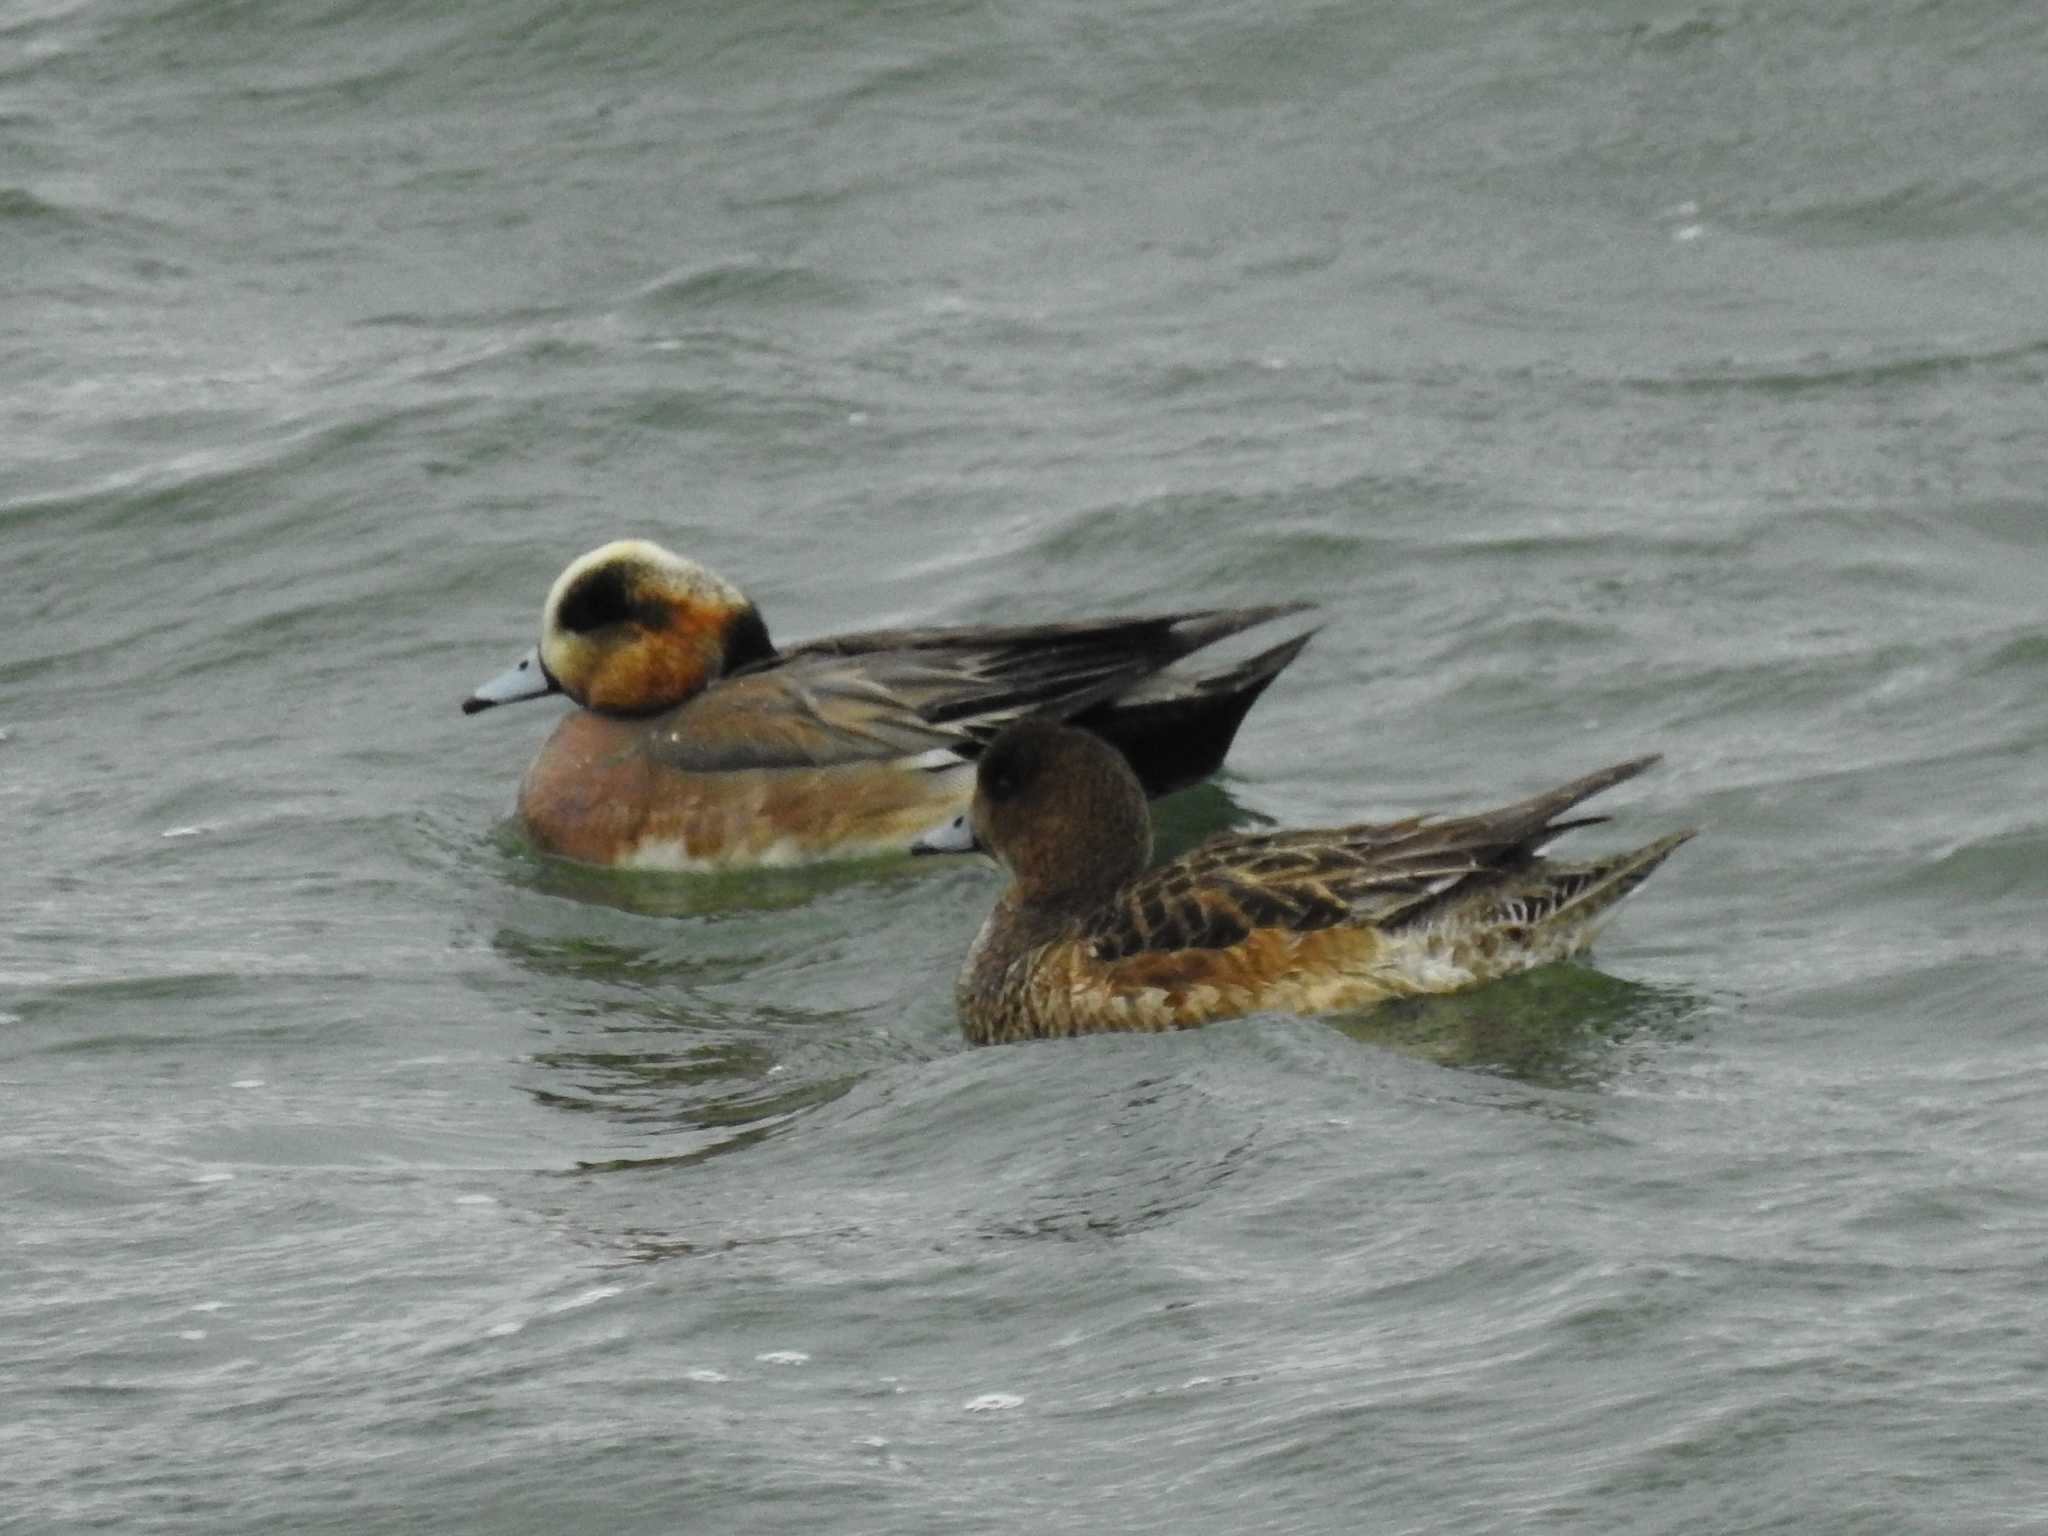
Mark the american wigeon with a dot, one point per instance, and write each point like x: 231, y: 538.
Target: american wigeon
x: 700, y: 745
x: 1323, y: 920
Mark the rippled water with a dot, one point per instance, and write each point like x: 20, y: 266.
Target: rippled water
x: 1617, y: 378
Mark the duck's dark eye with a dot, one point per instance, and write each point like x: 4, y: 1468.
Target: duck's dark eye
x: 1018, y: 761
x: 604, y: 597
x: 1001, y: 776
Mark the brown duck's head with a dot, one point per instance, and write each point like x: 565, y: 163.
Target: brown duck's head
x: 1061, y: 810
x: 632, y: 629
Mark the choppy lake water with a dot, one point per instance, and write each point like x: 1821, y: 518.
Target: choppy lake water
x: 1617, y: 377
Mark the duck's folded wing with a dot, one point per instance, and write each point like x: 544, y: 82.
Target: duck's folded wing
x: 818, y: 709
x: 1226, y: 890
x: 1380, y: 874
x: 904, y: 693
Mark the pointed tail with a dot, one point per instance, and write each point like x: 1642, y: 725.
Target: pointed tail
x: 1571, y: 897
x: 1178, y: 733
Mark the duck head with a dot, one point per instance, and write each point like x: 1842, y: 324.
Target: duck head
x: 631, y: 629
x: 1059, y: 809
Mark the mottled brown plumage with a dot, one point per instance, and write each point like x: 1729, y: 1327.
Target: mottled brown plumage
x: 1311, y: 921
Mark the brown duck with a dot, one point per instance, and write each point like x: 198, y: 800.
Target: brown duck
x: 1320, y: 920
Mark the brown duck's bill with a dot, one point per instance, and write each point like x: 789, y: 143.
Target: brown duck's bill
x: 955, y: 836
x: 526, y: 678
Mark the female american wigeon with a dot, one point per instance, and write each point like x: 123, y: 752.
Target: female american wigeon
x: 700, y: 745
x: 1323, y: 920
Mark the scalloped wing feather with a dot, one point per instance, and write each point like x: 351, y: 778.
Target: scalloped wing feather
x: 1381, y: 874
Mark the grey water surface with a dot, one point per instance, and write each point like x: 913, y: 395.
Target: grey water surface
x: 1618, y: 378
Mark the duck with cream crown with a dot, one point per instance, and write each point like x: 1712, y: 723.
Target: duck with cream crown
x: 697, y: 743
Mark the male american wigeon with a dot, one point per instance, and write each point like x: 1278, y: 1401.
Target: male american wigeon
x: 700, y: 745
x: 1323, y: 920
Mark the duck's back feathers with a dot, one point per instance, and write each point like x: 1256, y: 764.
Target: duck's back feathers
x: 1384, y: 873
x: 943, y: 694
